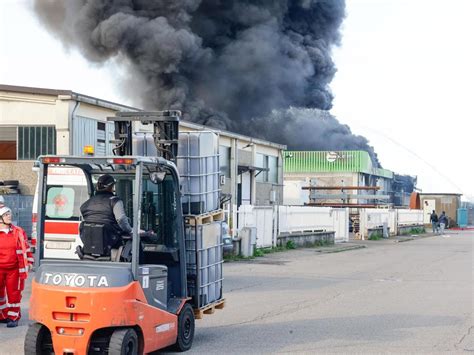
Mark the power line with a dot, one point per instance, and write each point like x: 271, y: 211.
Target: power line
x: 415, y: 155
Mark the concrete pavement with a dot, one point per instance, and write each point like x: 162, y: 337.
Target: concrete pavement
x: 414, y: 297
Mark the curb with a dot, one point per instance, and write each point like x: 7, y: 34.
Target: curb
x: 339, y: 249
x: 404, y: 240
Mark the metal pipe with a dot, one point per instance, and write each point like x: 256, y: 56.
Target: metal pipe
x: 42, y: 180
x: 72, y: 118
x: 136, y: 219
x: 354, y: 205
x: 376, y: 188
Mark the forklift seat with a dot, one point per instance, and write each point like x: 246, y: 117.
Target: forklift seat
x: 94, y: 238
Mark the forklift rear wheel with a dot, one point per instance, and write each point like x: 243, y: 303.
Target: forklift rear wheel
x: 123, y: 342
x: 38, y: 340
x: 185, y: 328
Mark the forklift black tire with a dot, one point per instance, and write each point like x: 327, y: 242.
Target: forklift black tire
x: 38, y: 340
x: 185, y: 329
x: 123, y: 342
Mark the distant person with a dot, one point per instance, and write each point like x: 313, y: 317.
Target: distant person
x: 15, y: 262
x: 3, y: 295
x: 434, y: 221
x: 443, y: 222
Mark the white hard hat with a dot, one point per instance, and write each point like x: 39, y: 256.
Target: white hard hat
x: 4, y: 210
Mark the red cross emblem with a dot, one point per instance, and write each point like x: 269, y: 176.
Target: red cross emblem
x: 60, y: 201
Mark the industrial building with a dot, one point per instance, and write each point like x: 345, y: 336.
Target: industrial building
x: 439, y: 202
x: 342, y: 179
x: 36, y: 121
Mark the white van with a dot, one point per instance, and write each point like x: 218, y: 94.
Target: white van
x: 67, y: 190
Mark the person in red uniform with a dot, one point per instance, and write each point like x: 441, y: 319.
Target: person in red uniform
x: 15, y: 261
x: 3, y: 293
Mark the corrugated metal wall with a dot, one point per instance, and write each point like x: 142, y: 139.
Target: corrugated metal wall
x: 21, y: 207
x: 319, y: 161
x: 383, y: 172
x: 98, y: 134
x: 331, y: 161
x: 470, y: 216
x: 84, y: 132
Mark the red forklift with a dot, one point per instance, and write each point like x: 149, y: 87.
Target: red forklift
x: 138, y: 302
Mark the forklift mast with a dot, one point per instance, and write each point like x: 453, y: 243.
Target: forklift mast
x: 165, y: 131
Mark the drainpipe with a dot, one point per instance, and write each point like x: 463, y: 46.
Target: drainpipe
x: 234, y: 175
x: 253, y: 181
x: 72, y: 118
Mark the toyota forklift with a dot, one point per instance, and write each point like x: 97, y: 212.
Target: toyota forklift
x: 131, y: 304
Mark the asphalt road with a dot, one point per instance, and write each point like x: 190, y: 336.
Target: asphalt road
x: 412, y: 297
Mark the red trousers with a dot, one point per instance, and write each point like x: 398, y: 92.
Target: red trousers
x: 10, y: 294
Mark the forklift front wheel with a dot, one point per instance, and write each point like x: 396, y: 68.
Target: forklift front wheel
x: 38, y: 340
x: 123, y: 342
x: 185, y: 328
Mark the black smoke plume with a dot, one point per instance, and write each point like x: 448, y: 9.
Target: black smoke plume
x: 309, y: 129
x: 222, y: 62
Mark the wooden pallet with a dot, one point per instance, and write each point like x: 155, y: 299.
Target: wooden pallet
x: 209, y: 309
x: 205, y: 218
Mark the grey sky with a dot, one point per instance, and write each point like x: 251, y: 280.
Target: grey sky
x: 405, y: 69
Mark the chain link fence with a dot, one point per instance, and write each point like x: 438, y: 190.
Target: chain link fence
x: 22, y: 207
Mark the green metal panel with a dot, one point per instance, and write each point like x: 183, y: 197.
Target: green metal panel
x: 383, y: 172
x: 331, y: 161
x: 319, y: 161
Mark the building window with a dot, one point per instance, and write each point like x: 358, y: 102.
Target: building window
x: 270, y: 163
x: 273, y: 169
x: 224, y: 160
x: 35, y: 141
x: 101, y: 147
x: 7, y: 143
x: 261, y: 161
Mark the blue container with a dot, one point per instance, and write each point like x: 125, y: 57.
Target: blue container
x: 462, y: 217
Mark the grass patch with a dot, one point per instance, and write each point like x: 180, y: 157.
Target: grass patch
x: 229, y: 258
x: 272, y: 250
x: 376, y: 236
x: 322, y: 243
x: 417, y: 230
x: 413, y: 230
x: 259, y: 252
x: 264, y: 251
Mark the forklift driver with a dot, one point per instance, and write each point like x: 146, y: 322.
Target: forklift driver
x: 104, y: 223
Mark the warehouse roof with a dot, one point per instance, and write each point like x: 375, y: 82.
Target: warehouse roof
x: 73, y: 95
x: 119, y: 107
